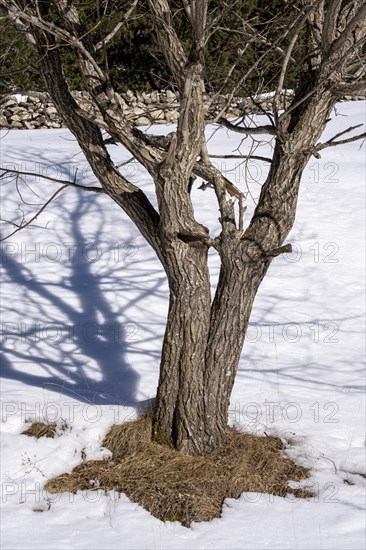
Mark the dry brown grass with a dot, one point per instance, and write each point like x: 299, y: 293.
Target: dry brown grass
x: 177, y: 487
x: 40, y: 429
x: 45, y: 429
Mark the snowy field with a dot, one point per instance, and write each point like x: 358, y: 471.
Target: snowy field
x: 84, y: 302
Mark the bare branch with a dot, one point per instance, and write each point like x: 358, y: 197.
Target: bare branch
x: 254, y: 36
x: 287, y: 58
x: 212, y: 175
x: 358, y: 20
x: 125, y: 162
x: 351, y: 88
x: 168, y: 39
x: 44, y: 206
x: 109, y: 102
x: 61, y: 35
x: 188, y: 9
x: 267, y: 129
x: 55, y: 180
x: 333, y: 143
x: 350, y: 129
x: 330, y: 23
x: 258, y: 63
x: 204, y: 169
x: 102, y: 43
x: 249, y: 157
x: 191, y: 123
x: 285, y: 249
x: 199, y: 23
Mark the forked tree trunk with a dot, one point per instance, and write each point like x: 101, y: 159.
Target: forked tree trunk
x: 203, y: 341
x: 202, y: 346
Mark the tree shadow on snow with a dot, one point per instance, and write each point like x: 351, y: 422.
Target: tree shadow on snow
x: 73, y: 332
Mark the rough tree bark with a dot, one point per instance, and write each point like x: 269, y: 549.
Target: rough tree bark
x: 204, y: 336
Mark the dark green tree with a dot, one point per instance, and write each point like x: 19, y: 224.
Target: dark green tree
x: 135, y: 60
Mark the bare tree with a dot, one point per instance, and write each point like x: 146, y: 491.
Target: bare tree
x: 204, y: 337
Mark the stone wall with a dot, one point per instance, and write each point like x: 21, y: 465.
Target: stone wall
x: 36, y: 110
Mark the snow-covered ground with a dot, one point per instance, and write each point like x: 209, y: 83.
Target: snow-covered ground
x: 84, y: 302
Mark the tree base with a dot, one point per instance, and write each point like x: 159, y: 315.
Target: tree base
x: 176, y: 487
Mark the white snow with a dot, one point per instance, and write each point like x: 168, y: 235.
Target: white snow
x: 84, y: 303
x: 20, y: 97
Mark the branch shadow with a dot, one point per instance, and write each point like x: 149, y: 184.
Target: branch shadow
x: 78, y: 341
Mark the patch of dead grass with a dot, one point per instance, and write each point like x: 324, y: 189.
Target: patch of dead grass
x: 45, y: 429
x: 41, y: 429
x: 177, y: 487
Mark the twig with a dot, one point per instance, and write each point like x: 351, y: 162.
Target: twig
x: 254, y: 157
x: 287, y: 58
x: 63, y: 182
x: 125, y: 162
x: 113, y: 33
x: 332, y: 143
x: 36, y: 215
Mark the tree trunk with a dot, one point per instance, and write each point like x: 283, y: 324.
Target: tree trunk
x: 203, y: 341
x: 239, y: 280
x: 179, y: 415
x: 202, y: 346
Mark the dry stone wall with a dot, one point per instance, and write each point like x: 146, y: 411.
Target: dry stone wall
x: 36, y: 110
